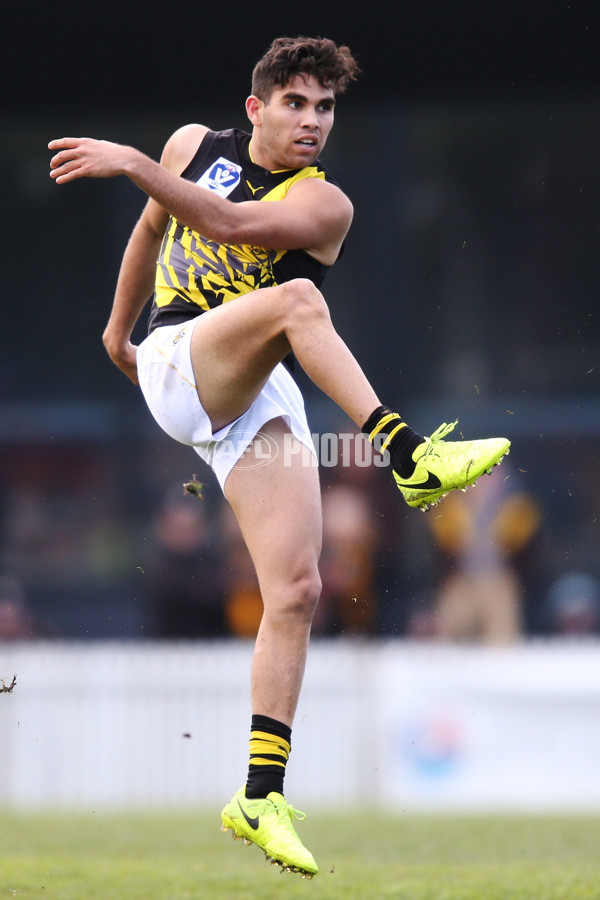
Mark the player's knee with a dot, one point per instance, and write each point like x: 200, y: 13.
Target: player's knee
x: 301, y: 596
x: 303, y: 300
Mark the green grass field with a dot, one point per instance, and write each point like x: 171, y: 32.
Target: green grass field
x: 362, y: 857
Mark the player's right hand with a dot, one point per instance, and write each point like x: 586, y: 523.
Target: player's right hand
x: 87, y: 158
x: 124, y: 356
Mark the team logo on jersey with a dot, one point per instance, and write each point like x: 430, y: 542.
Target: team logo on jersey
x: 222, y: 177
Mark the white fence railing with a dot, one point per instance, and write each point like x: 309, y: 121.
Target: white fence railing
x: 412, y: 725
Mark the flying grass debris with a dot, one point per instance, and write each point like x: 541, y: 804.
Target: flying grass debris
x: 7, y: 688
x: 193, y: 487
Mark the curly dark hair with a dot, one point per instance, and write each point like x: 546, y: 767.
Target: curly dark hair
x: 332, y: 66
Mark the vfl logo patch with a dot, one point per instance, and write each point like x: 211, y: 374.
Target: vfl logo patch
x: 222, y: 177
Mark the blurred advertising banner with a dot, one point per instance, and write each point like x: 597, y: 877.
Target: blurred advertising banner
x: 411, y: 726
x: 485, y: 729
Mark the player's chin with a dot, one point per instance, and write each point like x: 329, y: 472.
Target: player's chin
x: 306, y: 154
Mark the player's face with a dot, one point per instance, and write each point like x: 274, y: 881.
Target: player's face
x: 291, y: 129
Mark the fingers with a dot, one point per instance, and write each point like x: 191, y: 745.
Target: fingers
x: 130, y: 371
x: 60, y: 143
x: 64, y: 171
x: 125, y: 358
x: 64, y: 165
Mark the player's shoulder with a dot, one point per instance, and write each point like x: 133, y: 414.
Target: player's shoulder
x: 182, y: 145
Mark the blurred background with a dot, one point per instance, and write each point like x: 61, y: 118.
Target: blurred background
x: 468, y: 289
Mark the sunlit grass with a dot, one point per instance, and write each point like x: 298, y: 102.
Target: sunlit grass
x: 361, y: 857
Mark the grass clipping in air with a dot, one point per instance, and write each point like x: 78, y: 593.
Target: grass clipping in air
x: 193, y: 487
x: 7, y: 688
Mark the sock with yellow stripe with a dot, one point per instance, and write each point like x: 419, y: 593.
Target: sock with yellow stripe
x: 270, y: 745
x: 395, y: 436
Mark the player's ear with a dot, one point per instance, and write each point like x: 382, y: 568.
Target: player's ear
x: 254, y: 108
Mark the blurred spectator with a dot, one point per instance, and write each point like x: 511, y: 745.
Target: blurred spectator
x: 17, y: 621
x: 573, y: 606
x: 187, y: 578
x: 348, y: 600
x: 481, y: 532
x: 243, y: 600
x: 421, y: 616
x: 361, y: 535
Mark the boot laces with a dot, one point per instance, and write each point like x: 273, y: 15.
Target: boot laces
x: 285, y: 807
x: 296, y: 813
x: 440, y: 433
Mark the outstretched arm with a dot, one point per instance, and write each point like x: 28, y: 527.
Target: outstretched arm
x: 314, y: 216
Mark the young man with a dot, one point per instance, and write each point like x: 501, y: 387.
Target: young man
x: 256, y: 219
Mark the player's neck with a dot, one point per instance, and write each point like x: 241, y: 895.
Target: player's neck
x: 259, y: 157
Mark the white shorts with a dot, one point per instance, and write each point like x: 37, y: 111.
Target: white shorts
x: 168, y: 384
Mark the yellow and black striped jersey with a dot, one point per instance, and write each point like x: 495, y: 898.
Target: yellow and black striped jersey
x: 193, y: 273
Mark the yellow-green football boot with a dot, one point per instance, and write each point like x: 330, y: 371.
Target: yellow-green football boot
x: 268, y: 824
x: 444, y: 466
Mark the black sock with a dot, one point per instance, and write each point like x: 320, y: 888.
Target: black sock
x: 270, y: 745
x: 395, y: 436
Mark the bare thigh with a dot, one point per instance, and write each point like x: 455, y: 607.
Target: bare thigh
x: 235, y: 347
x: 278, y: 508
